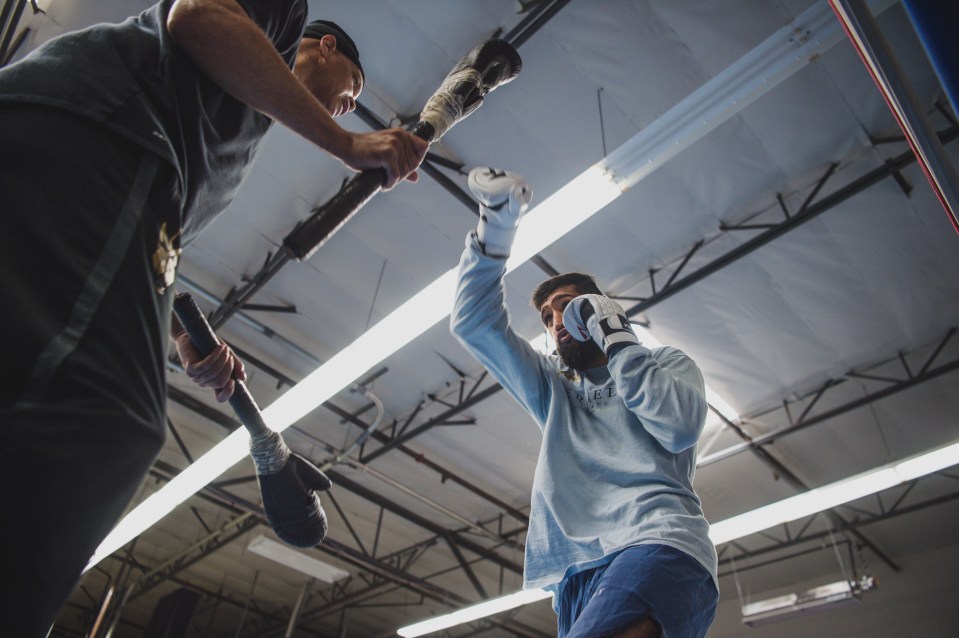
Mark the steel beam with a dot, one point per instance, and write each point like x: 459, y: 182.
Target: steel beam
x: 862, y: 520
x: 811, y: 211
x: 895, y: 386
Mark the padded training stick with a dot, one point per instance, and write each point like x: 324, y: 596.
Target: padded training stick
x: 487, y: 66
x: 289, y: 500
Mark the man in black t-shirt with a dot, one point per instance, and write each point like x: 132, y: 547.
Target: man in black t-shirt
x: 120, y: 143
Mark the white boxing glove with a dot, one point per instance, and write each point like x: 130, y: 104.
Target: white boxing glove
x: 599, y: 318
x: 504, y: 198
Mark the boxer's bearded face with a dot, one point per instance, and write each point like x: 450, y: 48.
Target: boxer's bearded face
x: 579, y: 355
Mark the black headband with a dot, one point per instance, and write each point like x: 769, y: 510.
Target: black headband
x: 344, y: 43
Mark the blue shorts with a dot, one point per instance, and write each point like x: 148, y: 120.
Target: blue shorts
x: 657, y: 581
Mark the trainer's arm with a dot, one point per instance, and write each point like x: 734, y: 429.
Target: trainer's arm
x: 231, y: 50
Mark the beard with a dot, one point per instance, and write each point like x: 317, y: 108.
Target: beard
x: 578, y: 355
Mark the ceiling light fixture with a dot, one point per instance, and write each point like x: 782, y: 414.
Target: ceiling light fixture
x: 813, y: 600
x: 780, y: 56
x: 299, y: 561
x: 817, y: 599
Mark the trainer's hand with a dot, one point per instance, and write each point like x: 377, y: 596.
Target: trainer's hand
x: 216, y: 371
x: 394, y: 150
x: 599, y: 318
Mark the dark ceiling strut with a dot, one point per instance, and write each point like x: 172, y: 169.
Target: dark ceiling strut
x: 6, y: 34
x: 343, y: 552
x: 466, y: 567
x: 342, y: 481
x: 801, y: 486
x: 533, y: 22
x: 811, y: 211
x: 449, y: 185
x: 894, y: 387
x: 214, y: 541
x: 349, y: 527
x: 853, y: 525
x: 739, y: 569
x: 220, y: 418
x: 437, y: 420
x: 427, y: 167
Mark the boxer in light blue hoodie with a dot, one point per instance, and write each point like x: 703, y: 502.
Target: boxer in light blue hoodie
x: 616, y: 531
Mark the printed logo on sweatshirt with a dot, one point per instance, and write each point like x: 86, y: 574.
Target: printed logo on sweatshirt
x: 595, y: 399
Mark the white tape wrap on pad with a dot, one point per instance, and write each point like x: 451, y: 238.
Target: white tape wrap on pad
x: 270, y: 453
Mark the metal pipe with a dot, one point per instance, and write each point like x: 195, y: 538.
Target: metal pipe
x: 297, y: 608
x: 103, y: 611
x: 397, y: 485
x: 344, y: 482
x: 380, y: 412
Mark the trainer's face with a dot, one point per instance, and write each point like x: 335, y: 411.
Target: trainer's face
x: 328, y: 74
x: 579, y: 355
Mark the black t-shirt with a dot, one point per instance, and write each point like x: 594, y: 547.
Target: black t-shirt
x: 133, y: 79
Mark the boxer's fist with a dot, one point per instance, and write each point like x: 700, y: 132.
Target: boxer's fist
x: 504, y: 198
x: 599, y: 318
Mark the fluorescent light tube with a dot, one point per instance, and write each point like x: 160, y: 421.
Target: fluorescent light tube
x: 184, y: 485
x: 834, y: 494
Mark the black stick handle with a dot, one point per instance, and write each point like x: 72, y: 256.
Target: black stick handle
x: 204, y: 340
x: 307, y: 238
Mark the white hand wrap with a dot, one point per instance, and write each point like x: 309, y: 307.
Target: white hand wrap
x: 599, y: 318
